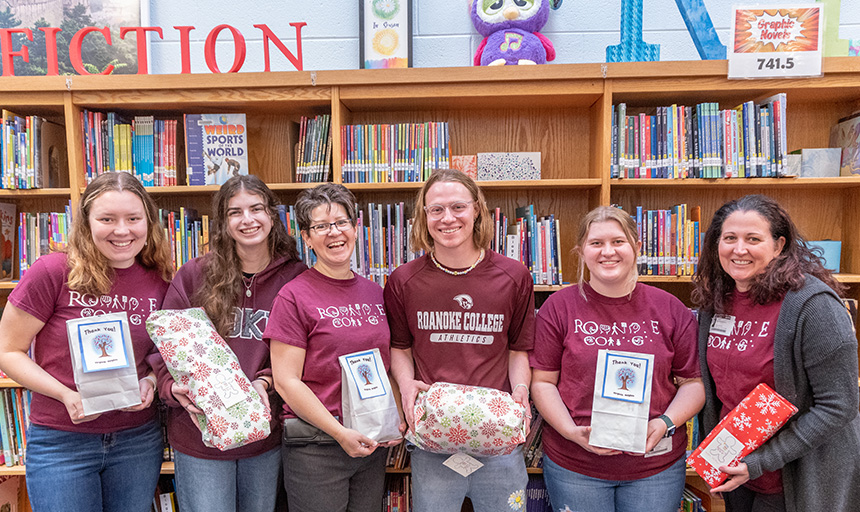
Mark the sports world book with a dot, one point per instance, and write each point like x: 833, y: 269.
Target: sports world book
x: 216, y: 147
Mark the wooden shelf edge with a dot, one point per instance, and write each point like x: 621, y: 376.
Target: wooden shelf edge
x: 167, y: 468
x: 8, y: 383
x: 35, y: 192
x: 717, y: 183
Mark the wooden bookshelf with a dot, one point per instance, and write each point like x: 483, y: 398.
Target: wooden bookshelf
x: 562, y: 111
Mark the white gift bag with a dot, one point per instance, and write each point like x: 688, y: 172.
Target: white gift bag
x: 622, y: 400
x: 368, y: 403
x: 103, y: 362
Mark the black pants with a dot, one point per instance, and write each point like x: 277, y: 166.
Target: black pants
x: 744, y: 499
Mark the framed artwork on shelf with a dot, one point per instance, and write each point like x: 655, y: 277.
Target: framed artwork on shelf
x: 385, y: 34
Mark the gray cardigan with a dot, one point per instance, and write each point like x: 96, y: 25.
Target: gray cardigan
x: 815, y: 368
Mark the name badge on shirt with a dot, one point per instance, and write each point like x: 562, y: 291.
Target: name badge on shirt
x: 722, y: 325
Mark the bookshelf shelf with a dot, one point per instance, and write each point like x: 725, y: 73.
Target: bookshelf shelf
x: 6, y: 194
x: 12, y: 470
x: 8, y: 383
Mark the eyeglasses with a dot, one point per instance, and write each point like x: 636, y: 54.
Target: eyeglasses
x: 457, y: 209
x: 324, y: 228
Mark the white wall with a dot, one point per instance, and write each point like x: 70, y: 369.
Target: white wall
x: 442, y: 31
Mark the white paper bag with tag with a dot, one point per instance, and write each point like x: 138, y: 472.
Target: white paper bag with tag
x: 622, y: 400
x: 367, y: 401
x: 103, y: 362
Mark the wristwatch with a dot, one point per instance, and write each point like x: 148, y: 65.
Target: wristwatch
x: 670, y: 427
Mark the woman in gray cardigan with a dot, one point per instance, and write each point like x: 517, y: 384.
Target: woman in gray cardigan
x: 769, y: 312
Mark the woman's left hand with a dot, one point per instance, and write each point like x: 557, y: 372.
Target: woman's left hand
x: 147, y: 393
x: 260, y: 387
x: 656, y: 430
x: 738, y: 475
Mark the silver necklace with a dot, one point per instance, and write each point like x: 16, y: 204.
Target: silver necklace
x: 254, y: 276
x: 457, y: 272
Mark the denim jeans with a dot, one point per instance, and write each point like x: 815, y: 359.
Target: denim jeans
x: 245, y: 485
x: 323, y: 478
x: 573, y: 492
x: 115, y: 472
x: 499, y: 485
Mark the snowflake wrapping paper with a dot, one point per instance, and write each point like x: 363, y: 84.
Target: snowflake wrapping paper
x: 199, y: 358
x: 755, y: 420
x: 453, y: 418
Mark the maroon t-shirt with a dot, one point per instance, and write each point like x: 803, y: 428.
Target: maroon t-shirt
x: 246, y: 341
x: 460, y: 328
x: 571, y: 331
x: 743, y: 360
x: 328, y: 318
x: 43, y: 293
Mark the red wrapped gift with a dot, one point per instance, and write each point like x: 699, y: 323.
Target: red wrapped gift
x: 755, y: 420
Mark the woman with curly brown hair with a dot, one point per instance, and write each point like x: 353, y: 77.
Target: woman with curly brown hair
x: 769, y: 312
x: 251, y: 258
x: 117, y: 261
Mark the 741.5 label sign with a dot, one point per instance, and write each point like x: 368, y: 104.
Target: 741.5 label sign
x: 776, y: 42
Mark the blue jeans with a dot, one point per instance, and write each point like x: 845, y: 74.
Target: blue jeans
x: 246, y: 485
x: 499, y: 485
x: 115, y: 472
x: 573, y: 492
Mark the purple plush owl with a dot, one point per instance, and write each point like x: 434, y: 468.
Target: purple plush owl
x: 510, y: 29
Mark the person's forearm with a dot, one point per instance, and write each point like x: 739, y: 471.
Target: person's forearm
x: 688, y: 401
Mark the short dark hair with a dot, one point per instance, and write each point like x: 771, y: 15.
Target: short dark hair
x: 326, y: 193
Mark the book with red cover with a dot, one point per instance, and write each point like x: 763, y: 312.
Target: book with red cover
x: 755, y: 420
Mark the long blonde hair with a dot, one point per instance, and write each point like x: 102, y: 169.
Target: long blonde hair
x: 482, y: 233
x: 605, y: 214
x: 89, y: 269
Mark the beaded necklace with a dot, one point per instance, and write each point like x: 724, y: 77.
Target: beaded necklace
x: 457, y: 272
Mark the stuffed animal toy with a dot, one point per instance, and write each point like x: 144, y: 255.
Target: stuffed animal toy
x: 510, y: 29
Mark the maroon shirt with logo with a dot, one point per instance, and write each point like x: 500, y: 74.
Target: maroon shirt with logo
x: 43, y: 293
x: 743, y: 360
x: 460, y: 328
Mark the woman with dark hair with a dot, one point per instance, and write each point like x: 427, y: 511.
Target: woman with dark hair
x: 769, y: 312
x: 327, y: 312
x: 613, y: 311
x: 460, y: 277
x: 117, y: 261
x: 251, y: 257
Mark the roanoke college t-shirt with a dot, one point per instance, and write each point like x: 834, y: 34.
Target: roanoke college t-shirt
x: 570, y: 332
x: 43, y: 293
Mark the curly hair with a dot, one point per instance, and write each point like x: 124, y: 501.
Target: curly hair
x: 222, y: 283
x: 324, y: 194
x: 714, y: 286
x: 605, y: 214
x: 89, y: 269
x: 482, y: 232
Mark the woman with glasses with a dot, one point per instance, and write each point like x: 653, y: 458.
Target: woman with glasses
x: 251, y: 257
x: 486, y: 306
x: 324, y: 313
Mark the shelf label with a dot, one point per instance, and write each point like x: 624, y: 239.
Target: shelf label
x: 776, y: 42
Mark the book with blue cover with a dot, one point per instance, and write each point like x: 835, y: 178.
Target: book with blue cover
x: 216, y: 147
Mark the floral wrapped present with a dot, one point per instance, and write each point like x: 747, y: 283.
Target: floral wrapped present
x: 199, y: 358
x: 755, y: 420
x: 453, y: 418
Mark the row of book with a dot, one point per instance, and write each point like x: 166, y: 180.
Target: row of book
x: 143, y: 146
x: 398, y: 493
x: 165, y: 499
x: 313, y: 152
x: 671, y: 240
x: 39, y: 234
x: 27, y: 146
x: 405, y: 152
x: 398, y: 457
x: 701, y: 141
x: 534, y: 241
x: 383, y: 241
x: 14, y: 419
x: 533, y: 446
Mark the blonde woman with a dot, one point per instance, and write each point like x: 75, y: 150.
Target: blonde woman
x: 117, y: 261
x: 612, y: 310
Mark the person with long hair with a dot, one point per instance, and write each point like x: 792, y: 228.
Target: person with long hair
x: 325, y: 313
x: 251, y: 257
x: 117, y: 261
x: 460, y: 277
x: 613, y: 311
x: 770, y: 312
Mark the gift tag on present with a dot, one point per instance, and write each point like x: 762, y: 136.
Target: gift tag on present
x: 463, y: 464
x: 227, y: 389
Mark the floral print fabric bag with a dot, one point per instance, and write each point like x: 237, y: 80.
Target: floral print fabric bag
x: 454, y: 418
x: 199, y: 358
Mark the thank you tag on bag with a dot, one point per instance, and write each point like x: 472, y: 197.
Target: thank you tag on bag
x: 103, y: 362
x: 622, y: 400
x: 363, y: 368
x: 463, y: 464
